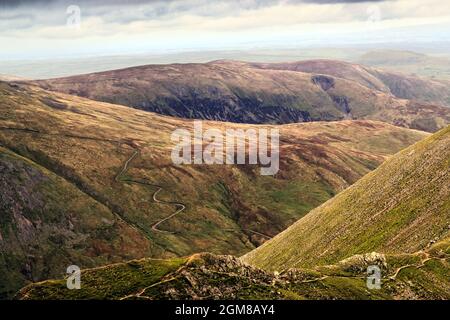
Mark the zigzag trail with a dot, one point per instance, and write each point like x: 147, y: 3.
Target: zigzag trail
x: 118, y: 178
x: 180, y: 206
x: 34, y: 131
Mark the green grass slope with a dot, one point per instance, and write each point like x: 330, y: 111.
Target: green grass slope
x: 401, y: 207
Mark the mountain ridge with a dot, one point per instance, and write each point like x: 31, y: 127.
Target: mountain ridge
x: 421, y: 275
x: 274, y: 93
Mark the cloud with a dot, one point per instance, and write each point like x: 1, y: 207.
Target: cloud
x: 30, y: 26
x: 338, y: 1
x: 17, y: 3
x: 51, y: 12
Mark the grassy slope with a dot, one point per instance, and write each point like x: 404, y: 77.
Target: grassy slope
x: 47, y: 224
x: 108, y: 282
x: 86, y: 143
x: 400, y: 207
x: 260, y: 93
x: 422, y: 275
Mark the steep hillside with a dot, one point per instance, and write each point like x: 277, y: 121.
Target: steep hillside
x: 401, y: 207
x: 422, y: 275
x: 46, y: 222
x: 267, y: 93
x: 118, y: 159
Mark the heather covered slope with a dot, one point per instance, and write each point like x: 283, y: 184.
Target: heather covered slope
x: 398, y: 84
x: 421, y: 275
x: 401, y: 207
x: 118, y: 158
x: 268, y: 93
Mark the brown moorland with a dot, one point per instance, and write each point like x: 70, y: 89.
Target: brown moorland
x: 272, y: 93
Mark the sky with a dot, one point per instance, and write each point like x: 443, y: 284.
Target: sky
x: 43, y: 29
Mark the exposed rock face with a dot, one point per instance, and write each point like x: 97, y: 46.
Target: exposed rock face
x: 342, y: 102
x: 201, y: 278
x: 324, y: 82
x: 245, y: 110
x: 360, y: 262
x: 17, y: 199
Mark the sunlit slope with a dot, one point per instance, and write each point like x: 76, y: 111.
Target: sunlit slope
x: 408, y: 62
x: 401, y: 207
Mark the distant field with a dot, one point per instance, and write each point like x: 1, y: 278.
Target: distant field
x: 410, y: 63
x: 434, y: 64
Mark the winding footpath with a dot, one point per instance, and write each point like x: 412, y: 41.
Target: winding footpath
x: 118, y: 178
x: 180, y: 206
x: 416, y: 265
x: 251, y: 231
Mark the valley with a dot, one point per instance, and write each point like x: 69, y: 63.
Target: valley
x: 405, y: 236
x: 224, y: 151
x: 117, y: 160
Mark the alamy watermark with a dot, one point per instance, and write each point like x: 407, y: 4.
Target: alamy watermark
x: 259, y: 146
x: 373, y: 277
x: 74, y: 279
x: 373, y: 13
x: 73, y: 13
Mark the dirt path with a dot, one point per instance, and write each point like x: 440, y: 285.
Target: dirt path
x: 180, y: 206
x: 413, y: 265
x: 258, y: 233
x: 116, y: 142
x: 251, y: 231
